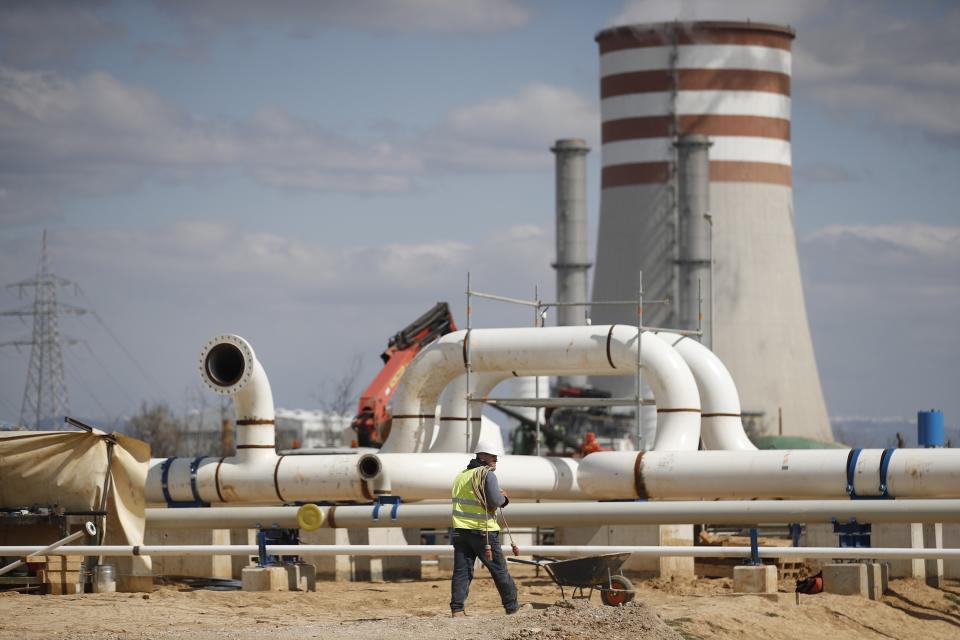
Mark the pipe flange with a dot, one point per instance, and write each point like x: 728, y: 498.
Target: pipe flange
x: 226, y: 364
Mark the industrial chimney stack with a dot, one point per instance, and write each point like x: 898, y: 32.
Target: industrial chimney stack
x: 572, y: 263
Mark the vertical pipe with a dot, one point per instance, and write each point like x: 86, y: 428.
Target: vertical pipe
x: 571, y: 264
x: 694, y: 255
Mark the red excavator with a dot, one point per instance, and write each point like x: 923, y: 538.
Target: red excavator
x: 372, y: 422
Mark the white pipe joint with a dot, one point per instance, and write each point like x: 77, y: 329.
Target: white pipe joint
x: 721, y: 423
x: 229, y: 367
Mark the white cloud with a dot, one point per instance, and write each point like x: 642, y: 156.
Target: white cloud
x: 95, y: 134
x: 781, y: 12
x: 306, y: 17
x: 926, y: 242
x: 512, y: 132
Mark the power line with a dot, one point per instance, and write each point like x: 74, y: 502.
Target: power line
x: 110, y: 375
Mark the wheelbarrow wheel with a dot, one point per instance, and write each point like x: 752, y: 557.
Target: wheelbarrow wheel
x: 620, y: 592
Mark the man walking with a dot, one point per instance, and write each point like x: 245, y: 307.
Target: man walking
x: 476, y: 532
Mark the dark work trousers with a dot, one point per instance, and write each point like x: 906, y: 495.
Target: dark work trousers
x: 467, y: 547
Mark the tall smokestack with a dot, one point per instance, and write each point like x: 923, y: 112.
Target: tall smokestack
x: 694, y: 300
x: 572, y: 263
x: 729, y: 81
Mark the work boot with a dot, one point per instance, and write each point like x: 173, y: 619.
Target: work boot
x: 458, y: 614
x: 523, y: 607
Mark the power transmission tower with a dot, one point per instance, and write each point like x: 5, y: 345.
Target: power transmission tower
x: 45, y: 393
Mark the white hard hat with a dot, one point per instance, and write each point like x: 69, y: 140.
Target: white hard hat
x: 490, y: 447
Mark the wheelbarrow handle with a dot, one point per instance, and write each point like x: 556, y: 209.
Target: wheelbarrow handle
x: 522, y: 561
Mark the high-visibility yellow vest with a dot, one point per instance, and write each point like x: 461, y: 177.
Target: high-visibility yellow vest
x: 467, y: 511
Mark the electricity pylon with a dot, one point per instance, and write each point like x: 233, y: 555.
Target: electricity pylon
x: 45, y: 393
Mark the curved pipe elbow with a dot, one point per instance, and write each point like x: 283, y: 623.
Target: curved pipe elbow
x: 673, y: 384
x: 721, y: 421
x: 229, y: 367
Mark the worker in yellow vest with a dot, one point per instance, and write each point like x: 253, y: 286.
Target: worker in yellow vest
x: 476, y: 532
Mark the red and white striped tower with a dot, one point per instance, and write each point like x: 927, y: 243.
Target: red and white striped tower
x: 730, y: 82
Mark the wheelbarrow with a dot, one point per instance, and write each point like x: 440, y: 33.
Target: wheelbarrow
x: 590, y: 572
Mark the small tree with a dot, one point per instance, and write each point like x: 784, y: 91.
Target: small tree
x: 156, y: 425
x: 342, y: 396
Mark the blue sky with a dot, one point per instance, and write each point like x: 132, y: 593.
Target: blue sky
x: 315, y: 175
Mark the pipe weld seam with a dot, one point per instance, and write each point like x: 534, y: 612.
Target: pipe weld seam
x: 459, y: 419
x: 164, y: 479
x: 331, y: 518
x: 276, y: 483
x: 413, y: 416
x: 638, y: 483
x: 465, y: 349
x: 216, y: 479
x: 252, y: 421
x: 136, y: 550
x: 365, y: 490
x: 884, y: 468
x: 722, y: 415
x: 678, y: 410
x: 194, y: 466
x: 609, y: 338
x: 256, y: 446
x: 852, y: 458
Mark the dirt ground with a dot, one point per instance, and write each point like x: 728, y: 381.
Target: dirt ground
x: 419, y: 611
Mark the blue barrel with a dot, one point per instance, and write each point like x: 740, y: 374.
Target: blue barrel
x: 930, y: 428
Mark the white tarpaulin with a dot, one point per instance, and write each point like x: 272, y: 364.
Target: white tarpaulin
x: 68, y: 470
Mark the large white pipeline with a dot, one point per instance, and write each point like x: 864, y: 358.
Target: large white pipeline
x: 257, y: 475
x: 786, y: 474
x: 721, y: 424
x: 592, y: 350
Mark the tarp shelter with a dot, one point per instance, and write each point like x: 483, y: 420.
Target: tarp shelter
x: 69, y: 470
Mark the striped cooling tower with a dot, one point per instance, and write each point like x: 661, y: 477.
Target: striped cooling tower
x: 729, y: 82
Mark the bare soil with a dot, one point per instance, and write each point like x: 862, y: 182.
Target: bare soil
x: 663, y: 610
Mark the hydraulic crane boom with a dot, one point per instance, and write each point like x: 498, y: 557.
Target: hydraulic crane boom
x: 373, y: 418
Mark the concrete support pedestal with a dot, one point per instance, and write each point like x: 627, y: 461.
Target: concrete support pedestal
x: 301, y: 577
x: 877, y: 578
x: 755, y: 579
x: 265, y: 579
x: 846, y: 579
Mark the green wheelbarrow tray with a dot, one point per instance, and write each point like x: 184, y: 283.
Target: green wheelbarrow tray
x: 590, y: 572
